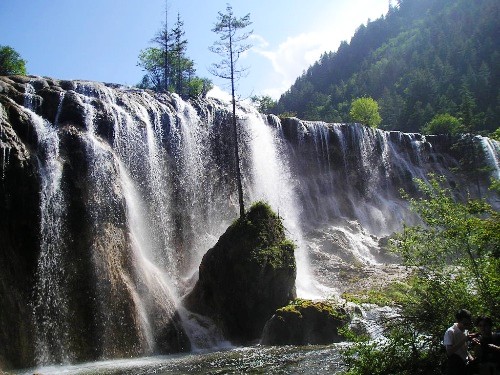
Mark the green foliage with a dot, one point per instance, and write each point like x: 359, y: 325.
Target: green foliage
x: 365, y: 111
x: 299, y: 305
x: 495, y: 185
x: 443, y: 124
x: 168, y: 68
x: 151, y: 60
x: 389, y: 295
x: 423, y: 58
x: 264, y: 103
x: 11, y: 62
x: 199, y: 87
x: 495, y: 135
x: 279, y: 256
x: 455, y: 253
x: 452, y: 233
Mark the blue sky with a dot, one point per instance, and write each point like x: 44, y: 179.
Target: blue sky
x: 100, y: 39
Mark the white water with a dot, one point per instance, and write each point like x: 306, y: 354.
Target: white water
x: 166, y: 166
x: 5, y: 149
x: 491, y: 149
x: 50, y: 308
x: 273, y: 183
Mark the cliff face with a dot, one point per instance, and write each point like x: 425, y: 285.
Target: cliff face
x: 110, y: 197
x: 70, y: 281
x: 19, y: 229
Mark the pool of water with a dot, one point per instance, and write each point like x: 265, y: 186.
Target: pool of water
x: 247, y: 360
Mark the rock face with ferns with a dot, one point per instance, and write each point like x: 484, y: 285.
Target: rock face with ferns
x: 111, y: 197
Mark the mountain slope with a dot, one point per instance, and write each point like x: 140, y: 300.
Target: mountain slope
x: 423, y: 58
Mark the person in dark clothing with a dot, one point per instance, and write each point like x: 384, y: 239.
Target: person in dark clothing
x: 487, y: 347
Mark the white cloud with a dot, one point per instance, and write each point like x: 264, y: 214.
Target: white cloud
x: 293, y: 56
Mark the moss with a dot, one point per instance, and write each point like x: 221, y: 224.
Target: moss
x: 262, y: 221
x: 300, y: 306
x: 262, y: 235
x: 305, y: 322
x: 390, y: 295
x: 279, y: 256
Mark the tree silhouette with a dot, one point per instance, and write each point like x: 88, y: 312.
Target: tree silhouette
x: 230, y: 46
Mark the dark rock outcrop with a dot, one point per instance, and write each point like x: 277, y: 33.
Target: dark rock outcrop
x: 19, y: 230
x: 246, y: 276
x: 305, y: 322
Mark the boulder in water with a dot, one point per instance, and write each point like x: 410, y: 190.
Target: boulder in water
x: 246, y: 276
x: 305, y: 322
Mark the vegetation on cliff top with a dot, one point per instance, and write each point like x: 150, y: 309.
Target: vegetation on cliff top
x: 167, y: 66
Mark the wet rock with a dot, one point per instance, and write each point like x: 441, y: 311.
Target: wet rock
x: 19, y: 231
x: 305, y: 322
x: 246, y: 276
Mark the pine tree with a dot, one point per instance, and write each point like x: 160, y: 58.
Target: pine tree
x: 179, y: 64
x: 230, y: 47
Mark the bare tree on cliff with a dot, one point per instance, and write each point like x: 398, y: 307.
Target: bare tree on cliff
x: 230, y: 46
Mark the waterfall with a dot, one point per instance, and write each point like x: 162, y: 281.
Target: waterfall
x: 136, y: 187
x: 491, y: 149
x: 50, y: 308
x: 272, y: 182
x: 5, y: 155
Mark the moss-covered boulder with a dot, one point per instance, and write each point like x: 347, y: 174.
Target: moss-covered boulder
x: 305, y: 322
x: 246, y: 276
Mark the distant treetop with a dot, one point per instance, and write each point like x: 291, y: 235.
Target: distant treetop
x: 11, y: 62
x: 424, y: 58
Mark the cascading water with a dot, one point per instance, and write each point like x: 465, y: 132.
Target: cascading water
x: 50, y: 307
x: 136, y: 187
x: 491, y: 149
x: 5, y: 148
x: 272, y: 182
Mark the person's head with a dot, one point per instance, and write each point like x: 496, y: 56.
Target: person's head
x: 463, y: 318
x: 484, y: 324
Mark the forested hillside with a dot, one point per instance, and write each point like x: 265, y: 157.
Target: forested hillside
x: 425, y: 57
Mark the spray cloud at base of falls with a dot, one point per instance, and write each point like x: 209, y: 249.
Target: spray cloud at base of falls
x: 135, y: 187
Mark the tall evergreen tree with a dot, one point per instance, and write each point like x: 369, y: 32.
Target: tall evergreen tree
x: 167, y: 66
x: 230, y: 46
x: 180, y: 64
x: 162, y: 39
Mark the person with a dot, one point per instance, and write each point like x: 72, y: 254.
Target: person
x: 455, y: 341
x: 487, y: 347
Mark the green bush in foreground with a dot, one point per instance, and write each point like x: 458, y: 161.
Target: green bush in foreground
x: 455, y: 254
